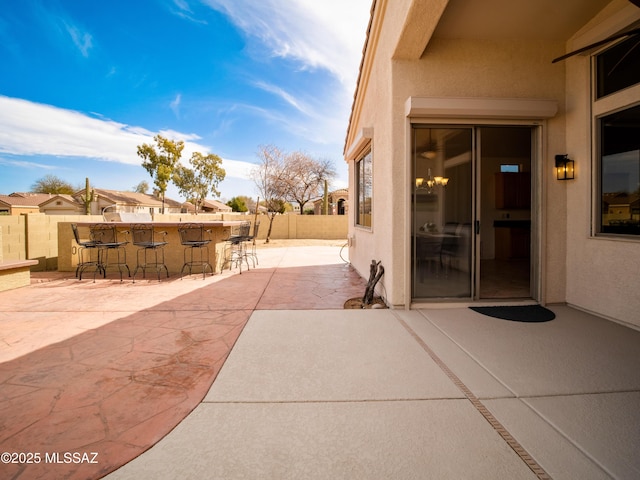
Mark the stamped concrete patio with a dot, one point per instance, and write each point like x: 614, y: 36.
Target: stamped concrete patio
x: 264, y: 375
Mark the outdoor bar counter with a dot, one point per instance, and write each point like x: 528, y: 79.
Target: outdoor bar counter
x: 173, y: 251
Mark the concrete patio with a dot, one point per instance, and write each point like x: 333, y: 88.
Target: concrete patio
x: 264, y: 375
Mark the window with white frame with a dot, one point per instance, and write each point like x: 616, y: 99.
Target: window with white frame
x: 618, y: 140
x: 364, y: 183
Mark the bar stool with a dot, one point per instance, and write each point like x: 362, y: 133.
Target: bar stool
x: 252, y: 253
x: 106, y: 238
x: 193, y: 238
x: 84, y: 245
x: 235, y: 248
x: 144, y: 237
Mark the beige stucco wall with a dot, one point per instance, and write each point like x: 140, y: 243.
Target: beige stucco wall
x: 594, y: 273
x: 602, y: 272
x: 455, y: 68
x: 378, y: 242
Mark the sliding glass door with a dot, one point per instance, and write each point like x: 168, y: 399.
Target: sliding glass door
x: 471, y: 212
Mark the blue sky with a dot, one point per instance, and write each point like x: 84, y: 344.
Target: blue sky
x: 82, y: 83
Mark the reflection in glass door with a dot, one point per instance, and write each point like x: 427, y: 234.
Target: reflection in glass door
x: 471, y: 212
x: 443, y: 238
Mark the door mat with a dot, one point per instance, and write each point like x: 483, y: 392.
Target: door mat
x: 518, y: 313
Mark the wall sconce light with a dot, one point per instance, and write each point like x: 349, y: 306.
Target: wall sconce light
x: 564, y: 168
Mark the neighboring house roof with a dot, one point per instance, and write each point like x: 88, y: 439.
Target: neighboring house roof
x: 216, y: 205
x: 132, y: 198
x: 19, y: 201
x: 39, y: 198
x: 61, y: 197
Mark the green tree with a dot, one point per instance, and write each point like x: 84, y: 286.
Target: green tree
x: 53, y: 184
x: 160, y: 161
x: 195, y: 183
x: 238, y: 204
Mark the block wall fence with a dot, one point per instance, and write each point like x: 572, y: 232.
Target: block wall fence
x: 35, y: 236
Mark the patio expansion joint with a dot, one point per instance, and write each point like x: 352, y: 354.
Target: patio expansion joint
x: 328, y: 401
x: 478, y: 405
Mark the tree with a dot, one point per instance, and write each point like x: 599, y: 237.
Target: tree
x: 269, y: 177
x: 160, y: 163
x: 52, y: 184
x: 305, y: 177
x: 196, y: 183
x: 238, y: 204
x: 142, y: 187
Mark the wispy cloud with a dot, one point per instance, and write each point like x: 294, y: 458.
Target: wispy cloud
x: 28, y: 128
x: 27, y: 165
x: 82, y: 40
x: 287, y: 97
x: 325, y: 34
x: 175, y: 105
x: 184, y: 10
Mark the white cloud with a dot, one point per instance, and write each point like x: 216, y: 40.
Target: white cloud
x: 28, y: 165
x: 83, y: 41
x: 28, y: 128
x: 175, y: 105
x: 287, y: 97
x: 325, y: 34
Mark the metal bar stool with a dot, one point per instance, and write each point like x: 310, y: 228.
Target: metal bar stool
x: 144, y: 237
x: 250, y: 247
x: 193, y: 238
x: 106, y: 237
x: 235, y: 252
x: 84, y: 245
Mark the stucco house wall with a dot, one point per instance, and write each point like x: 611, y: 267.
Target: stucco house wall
x: 602, y: 272
x: 592, y: 273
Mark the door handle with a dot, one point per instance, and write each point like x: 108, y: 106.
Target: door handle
x: 477, y: 227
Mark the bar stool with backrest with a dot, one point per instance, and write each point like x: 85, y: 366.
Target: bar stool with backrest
x: 146, y: 239
x: 195, y: 238
x: 84, y: 246
x: 250, y: 244
x: 235, y: 252
x: 111, y: 250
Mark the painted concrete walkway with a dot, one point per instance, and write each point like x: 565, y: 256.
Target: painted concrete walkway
x: 308, y: 390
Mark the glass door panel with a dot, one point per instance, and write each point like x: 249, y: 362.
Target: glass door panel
x: 442, y: 212
x: 503, y: 205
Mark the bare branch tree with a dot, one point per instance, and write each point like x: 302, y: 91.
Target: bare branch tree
x: 304, y: 177
x: 268, y: 176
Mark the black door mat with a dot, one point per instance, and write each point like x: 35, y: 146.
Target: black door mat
x: 518, y: 313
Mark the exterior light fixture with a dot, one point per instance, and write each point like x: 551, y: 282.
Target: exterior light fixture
x: 564, y: 168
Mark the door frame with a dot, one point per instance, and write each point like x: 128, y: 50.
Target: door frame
x: 538, y: 148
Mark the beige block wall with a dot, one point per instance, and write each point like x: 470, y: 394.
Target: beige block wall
x: 13, y: 237
x: 35, y: 236
x: 16, y: 278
